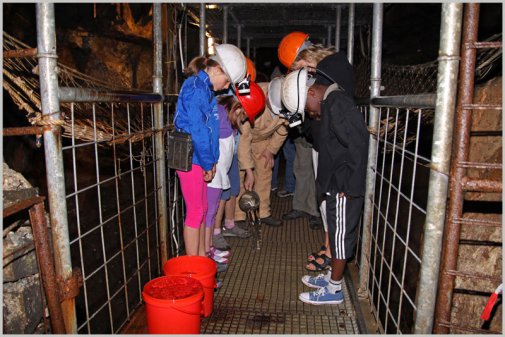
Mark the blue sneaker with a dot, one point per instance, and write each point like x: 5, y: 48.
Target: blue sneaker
x: 322, y: 296
x: 318, y: 281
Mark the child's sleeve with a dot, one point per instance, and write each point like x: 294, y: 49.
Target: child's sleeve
x: 198, y: 109
x: 244, y: 152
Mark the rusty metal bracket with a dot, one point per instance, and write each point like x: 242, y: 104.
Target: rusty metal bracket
x: 69, y: 288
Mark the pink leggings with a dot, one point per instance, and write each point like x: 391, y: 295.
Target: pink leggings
x: 194, y: 192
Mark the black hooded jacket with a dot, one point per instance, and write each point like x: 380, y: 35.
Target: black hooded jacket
x: 343, y: 74
x: 342, y: 135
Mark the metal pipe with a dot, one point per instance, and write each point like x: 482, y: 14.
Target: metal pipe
x: 21, y: 53
x: 46, y: 45
x: 85, y: 95
x: 158, y: 138
x: 329, y: 36
x: 239, y: 35
x: 202, y: 28
x: 448, y: 62
x: 248, y: 46
x: 408, y: 101
x: 481, y: 185
x: 47, y: 272
x: 22, y: 131
x: 350, y: 34
x: 373, y: 124
x: 225, y: 24
x: 337, y: 27
x: 461, y: 140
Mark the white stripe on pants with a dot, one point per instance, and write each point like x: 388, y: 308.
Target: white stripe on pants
x: 340, y: 228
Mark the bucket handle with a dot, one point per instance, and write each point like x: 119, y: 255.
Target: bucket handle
x: 191, y: 313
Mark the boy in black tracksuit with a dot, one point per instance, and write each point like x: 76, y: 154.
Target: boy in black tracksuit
x: 341, y: 174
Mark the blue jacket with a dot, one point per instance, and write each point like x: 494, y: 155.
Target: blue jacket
x: 197, y: 114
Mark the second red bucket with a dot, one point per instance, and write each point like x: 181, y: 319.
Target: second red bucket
x: 199, y: 267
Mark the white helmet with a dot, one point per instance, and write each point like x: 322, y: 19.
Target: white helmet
x: 232, y: 60
x: 294, y: 91
x: 275, y: 93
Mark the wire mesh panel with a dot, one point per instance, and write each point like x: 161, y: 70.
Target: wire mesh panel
x: 399, y: 211
x: 113, y: 223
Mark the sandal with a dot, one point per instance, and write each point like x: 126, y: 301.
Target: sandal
x: 325, y: 265
x: 317, y: 255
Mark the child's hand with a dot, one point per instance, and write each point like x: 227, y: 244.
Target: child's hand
x: 249, y: 180
x: 208, y: 176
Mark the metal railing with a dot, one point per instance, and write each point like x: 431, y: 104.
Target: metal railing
x: 107, y: 188
x: 398, y: 213
x: 406, y: 189
x: 113, y: 216
x: 460, y: 281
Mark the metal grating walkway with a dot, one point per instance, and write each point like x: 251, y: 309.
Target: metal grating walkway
x: 260, y: 288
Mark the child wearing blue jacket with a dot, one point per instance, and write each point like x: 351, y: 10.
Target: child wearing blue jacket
x: 197, y: 115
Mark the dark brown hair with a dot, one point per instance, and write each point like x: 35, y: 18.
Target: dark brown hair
x: 199, y: 63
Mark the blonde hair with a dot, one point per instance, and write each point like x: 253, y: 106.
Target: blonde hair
x: 314, y: 53
x: 200, y: 63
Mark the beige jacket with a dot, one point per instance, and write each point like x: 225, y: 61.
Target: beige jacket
x: 267, y: 131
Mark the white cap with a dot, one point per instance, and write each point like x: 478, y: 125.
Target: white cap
x: 275, y: 93
x: 294, y: 90
x: 232, y: 60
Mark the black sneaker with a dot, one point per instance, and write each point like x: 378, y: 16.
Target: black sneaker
x: 315, y: 222
x: 270, y: 221
x: 293, y: 214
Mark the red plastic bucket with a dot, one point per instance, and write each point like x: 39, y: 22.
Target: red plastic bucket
x: 173, y: 305
x: 199, y: 267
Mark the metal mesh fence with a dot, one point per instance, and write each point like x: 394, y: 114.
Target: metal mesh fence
x: 399, y: 210
x: 113, y: 223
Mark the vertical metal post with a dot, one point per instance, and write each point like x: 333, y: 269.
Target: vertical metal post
x: 373, y: 123
x: 350, y: 34
x: 239, y: 35
x: 248, y: 46
x: 47, y: 272
x: 225, y: 24
x: 46, y: 46
x: 158, y: 139
x: 463, y: 121
x: 329, y: 36
x: 448, y: 62
x: 337, y: 27
x: 202, y: 28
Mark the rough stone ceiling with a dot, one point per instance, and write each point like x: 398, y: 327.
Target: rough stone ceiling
x: 266, y: 23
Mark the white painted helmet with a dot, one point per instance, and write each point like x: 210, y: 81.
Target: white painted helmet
x: 294, y: 91
x: 232, y: 60
x: 275, y: 93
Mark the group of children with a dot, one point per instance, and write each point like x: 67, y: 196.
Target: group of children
x: 236, y: 135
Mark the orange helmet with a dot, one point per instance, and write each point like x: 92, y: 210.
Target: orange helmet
x: 290, y: 46
x: 251, y: 70
x: 254, y: 102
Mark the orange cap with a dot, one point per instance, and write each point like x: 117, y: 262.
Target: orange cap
x: 289, y: 47
x: 254, y: 103
x: 251, y: 69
